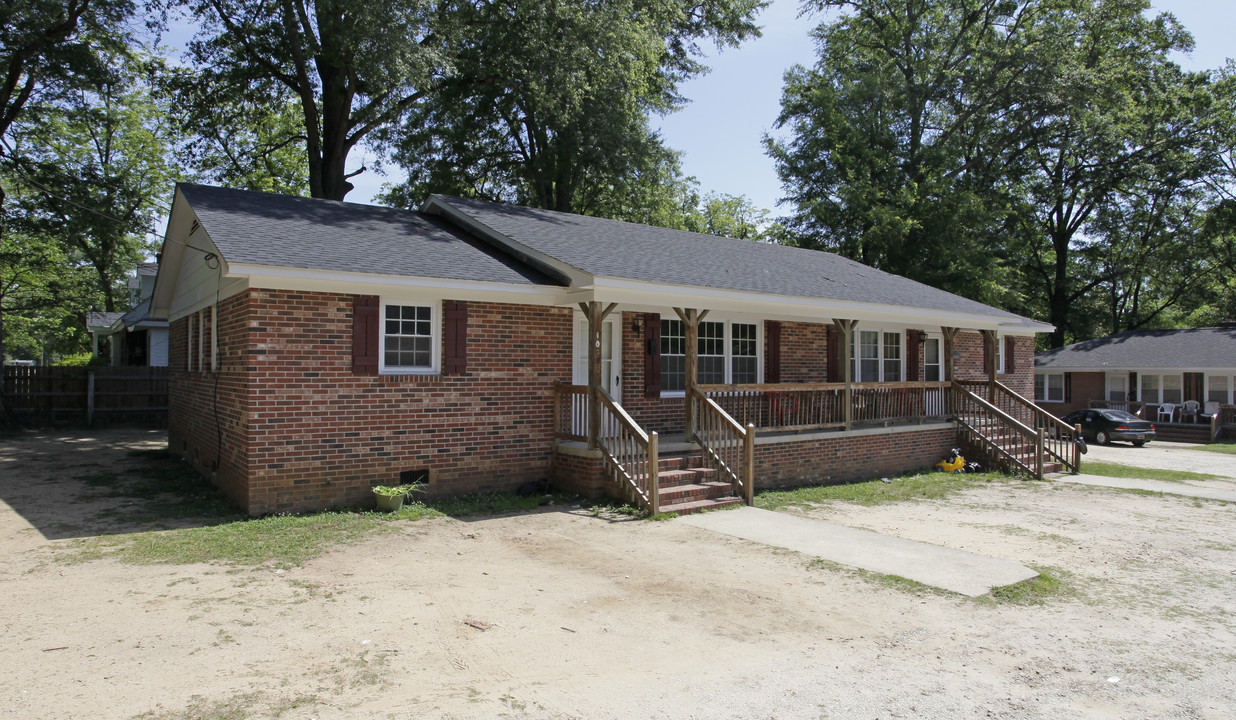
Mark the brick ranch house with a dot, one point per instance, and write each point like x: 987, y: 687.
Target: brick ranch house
x: 319, y: 348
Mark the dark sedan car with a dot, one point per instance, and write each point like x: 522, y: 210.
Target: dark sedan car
x: 1103, y: 426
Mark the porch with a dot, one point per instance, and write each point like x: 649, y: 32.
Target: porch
x: 780, y: 435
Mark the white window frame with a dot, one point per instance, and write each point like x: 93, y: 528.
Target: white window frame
x: 1043, y: 388
x: 1000, y: 341
x: 435, y: 337
x: 1110, y: 388
x: 881, y: 340
x: 728, y: 349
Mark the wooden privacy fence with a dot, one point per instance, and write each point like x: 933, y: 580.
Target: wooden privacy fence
x: 86, y: 395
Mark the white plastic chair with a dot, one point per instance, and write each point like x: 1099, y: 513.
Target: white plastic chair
x: 1167, y: 409
x: 1190, y: 410
x: 1211, y: 409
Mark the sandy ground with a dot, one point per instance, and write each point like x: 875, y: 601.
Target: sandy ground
x: 563, y: 614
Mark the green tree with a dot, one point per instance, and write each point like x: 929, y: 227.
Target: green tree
x: 550, y: 101
x: 1116, y: 141
x: 894, y: 139
x: 95, y: 166
x: 349, y: 67
x: 44, y: 52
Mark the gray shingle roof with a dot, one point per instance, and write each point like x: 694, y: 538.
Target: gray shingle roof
x: 285, y: 231
x: 1211, y: 347
x: 610, y: 248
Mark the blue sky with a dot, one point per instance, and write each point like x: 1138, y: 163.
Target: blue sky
x: 733, y: 106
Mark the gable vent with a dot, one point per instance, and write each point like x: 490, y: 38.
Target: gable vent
x: 193, y: 228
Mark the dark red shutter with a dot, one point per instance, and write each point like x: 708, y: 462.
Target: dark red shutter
x: 772, y: 363
x: 834, y: 354
x: 365, y: 333
x: 1010, y: 352
x: 652, y: 355
x: 455, y: 337
x: 1132, y: 386
x: 1068, y: 387
x: 913, y: 347
x: 986, y: 354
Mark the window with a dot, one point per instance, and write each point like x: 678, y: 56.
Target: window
x: 711, y: 353
x: 1150, y: 389
x: 744, y: 354
x: 877, y: 357
x: 673, y: 356
x: 726, y: 353
x: 1218, y: 389
x: 408, y: 338
x: 1117, y: 388
x: 1171, y: 389
x: 1049, y: 387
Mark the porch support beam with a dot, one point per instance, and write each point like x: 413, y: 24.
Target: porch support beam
x: 845, y: 329
x: 594, y: 313
x: 691, y: 325
x: 992, y: 356
x: 950, y: 344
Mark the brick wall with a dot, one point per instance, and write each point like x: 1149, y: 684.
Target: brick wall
x: 851, y: 456
x: 206, y: 406
x: 319, y: 435
x: 1083, y: 387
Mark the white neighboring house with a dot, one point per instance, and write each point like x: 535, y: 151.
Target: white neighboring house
x: 135, y: 337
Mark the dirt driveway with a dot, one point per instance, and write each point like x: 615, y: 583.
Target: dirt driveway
x: 563, y: 614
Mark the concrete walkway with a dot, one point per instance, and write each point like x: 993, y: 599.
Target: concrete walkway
x: 1159, y: 486
x: 956, y: 570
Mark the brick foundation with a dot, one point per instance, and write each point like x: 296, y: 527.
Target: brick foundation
x: 827, y: 458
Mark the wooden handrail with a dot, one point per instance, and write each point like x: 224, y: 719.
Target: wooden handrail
x: 964, y: 396
x: 792, y: 387
x: 728, y: 446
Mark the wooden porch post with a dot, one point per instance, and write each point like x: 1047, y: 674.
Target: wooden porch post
x: 950, y: 343
x: 596, y: 316
x: 992, y: 356
x: 846, y: 329
x: 691, y: 325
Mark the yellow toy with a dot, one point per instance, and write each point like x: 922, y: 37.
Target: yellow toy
x: 955, y: 463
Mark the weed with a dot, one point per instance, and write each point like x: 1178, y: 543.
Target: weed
x: 1048, y: 584
x: 491, y: 503
x: 663, y: 516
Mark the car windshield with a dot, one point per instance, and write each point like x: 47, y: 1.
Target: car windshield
x: 1120, y: 416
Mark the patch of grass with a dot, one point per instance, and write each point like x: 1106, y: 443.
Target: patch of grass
x: 1223, y: 447
x: 235, y: 708
x: 162, y: 452
x: 926, y: 486
x: 278, y: 540
x: 492, y: 503
x: 1106, y: 469
x: 660, y: 517
x: 893, y: 582
x: 1049, y: 584
x: 103, y: 479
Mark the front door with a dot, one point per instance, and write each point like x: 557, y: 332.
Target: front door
x: 611, y: 363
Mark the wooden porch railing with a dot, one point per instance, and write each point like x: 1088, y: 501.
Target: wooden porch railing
x: 729, y: 448
x: 821, y: 406
x: 1059, y: 438
x: 629, y: 453
x: 982, y: 424
x: 570, y: 412
x: 1133, y: 407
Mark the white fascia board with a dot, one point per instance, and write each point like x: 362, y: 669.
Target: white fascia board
x: 653, y: 297
x: 356, y: 283
x: 547, y: 263
x: 179, y: 220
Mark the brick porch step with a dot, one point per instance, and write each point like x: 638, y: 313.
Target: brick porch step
x: 694, y: 491
x: 695, y: 506
x: 691, y: 476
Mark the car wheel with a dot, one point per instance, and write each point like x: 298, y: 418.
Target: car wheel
x: 1139, y: 443
x: 1102, y: 438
